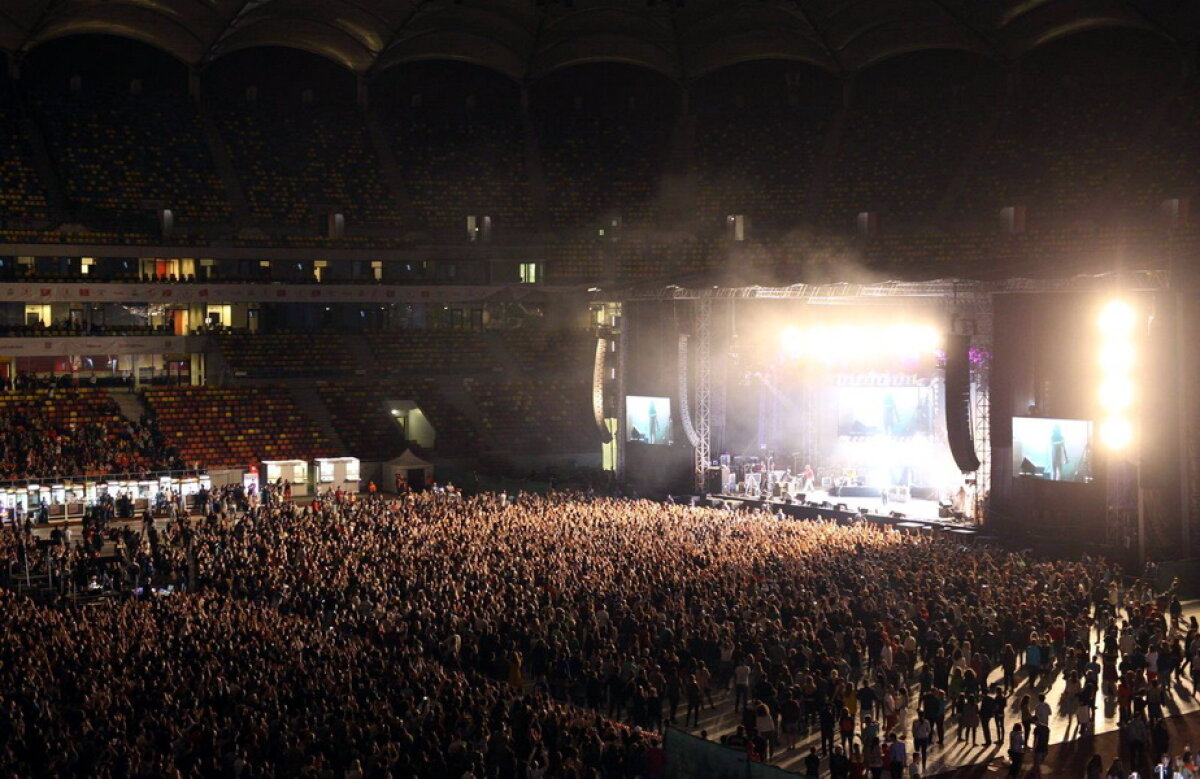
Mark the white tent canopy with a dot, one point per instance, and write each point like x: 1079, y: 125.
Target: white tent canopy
x: 408, y: 470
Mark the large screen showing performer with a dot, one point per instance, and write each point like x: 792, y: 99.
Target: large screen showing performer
x: 648, y: 420
x: 1054, y: 449
x: 897, y: 412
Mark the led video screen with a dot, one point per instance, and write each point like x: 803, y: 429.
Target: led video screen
x: 1052, y: 449
x: 897, y: 412
x: 648, y: 420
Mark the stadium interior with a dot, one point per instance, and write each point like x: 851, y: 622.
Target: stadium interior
x: 484, y: 281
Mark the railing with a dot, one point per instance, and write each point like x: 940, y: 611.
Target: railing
x: 67, y: 497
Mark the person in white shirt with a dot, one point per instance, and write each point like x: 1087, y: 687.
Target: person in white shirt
x: 741, y: 685
x: 1042, y: 711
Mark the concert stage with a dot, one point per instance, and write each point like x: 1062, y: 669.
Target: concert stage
x: 1072, y: 430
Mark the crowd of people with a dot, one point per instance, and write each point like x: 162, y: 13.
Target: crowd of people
x: 558, y: 636
x: 33, y: 446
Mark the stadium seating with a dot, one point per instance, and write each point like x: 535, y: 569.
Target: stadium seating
x: 541, y: 415
x: 120, y: 153
x: 421, y: 352
x: 364, y: 422
x: 900, y: 149
x: 599, y: 168
x: 456, y: 167
x: 280, y: 355
x: 300, y: 163
x: 1069, y: 133
x: 217, y: 427
x: 72, y: 432
x: 1166, y: 165
x: 539, y: 351
x: 22, y: 195
x: 757, y: 163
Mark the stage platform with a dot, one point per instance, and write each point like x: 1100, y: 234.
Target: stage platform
x: 917, y: 515
x: 913, y: 508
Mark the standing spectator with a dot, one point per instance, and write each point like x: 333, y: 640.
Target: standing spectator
x: 897, y: 755
x: 922, y: 731
x: 1016, y: 749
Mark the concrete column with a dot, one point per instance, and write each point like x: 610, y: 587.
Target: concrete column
x: 362, y: 94
x: 194, y: 84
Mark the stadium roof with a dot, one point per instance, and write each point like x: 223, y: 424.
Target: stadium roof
x: 528, y: 38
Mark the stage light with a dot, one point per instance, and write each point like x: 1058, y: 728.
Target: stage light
x: 1116, y: 318
x: 928, y: 339
x: 1116, y: 433
x: 1116, y: 393
x: 791, y: 342
x: 1116, y: 356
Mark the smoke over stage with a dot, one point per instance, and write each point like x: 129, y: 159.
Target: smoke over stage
x: 849, y: 409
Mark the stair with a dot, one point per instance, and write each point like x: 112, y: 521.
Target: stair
x: 224, y: 164
x: 535, y: 171
x: 217, y: 371
x: 309, y: 401
x: 679, y: 181
x: 823, y: 171
x: 42, y: 161
x: 364, y: 358
x: 130, y: 404
x: 1109, y: 199
x: 455, y: 393
x: 970, y: 160
x: 401, y: 197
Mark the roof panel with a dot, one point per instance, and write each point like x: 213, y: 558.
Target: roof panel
x: 318, y: 37
x: 543, y: 35
x: 172, y: 35
x: 577, y: 50
x: 466, y: 47
x: 369, y: 30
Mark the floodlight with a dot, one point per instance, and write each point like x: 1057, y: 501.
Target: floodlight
x: 1116, y: 433
x: 1116, y: 318
x: 791, y: 342
x: 1116, y: 393
x: 1116, y: 357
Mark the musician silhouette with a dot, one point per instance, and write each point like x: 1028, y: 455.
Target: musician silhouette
x: 1058, y: 453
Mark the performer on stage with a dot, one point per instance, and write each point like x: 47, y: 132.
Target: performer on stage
x: 891, y: 416
x: 809, y: 476
x: 1058, y: 453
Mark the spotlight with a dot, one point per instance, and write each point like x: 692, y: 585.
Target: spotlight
x: 791, y: 341
x: 1116, y: 433
x: 928, y: 339
x: 1116, y: 356
x: 1116, y: 393
x: 1116, y: 318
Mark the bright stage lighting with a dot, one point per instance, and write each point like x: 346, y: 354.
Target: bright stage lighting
x: 791, y: 342
x: 1116, y: 433
x: 830, y: 343
x: 1116, y: 357
x: 928, y: 339
x: 1116, y: 318
x: 1116, y: 394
